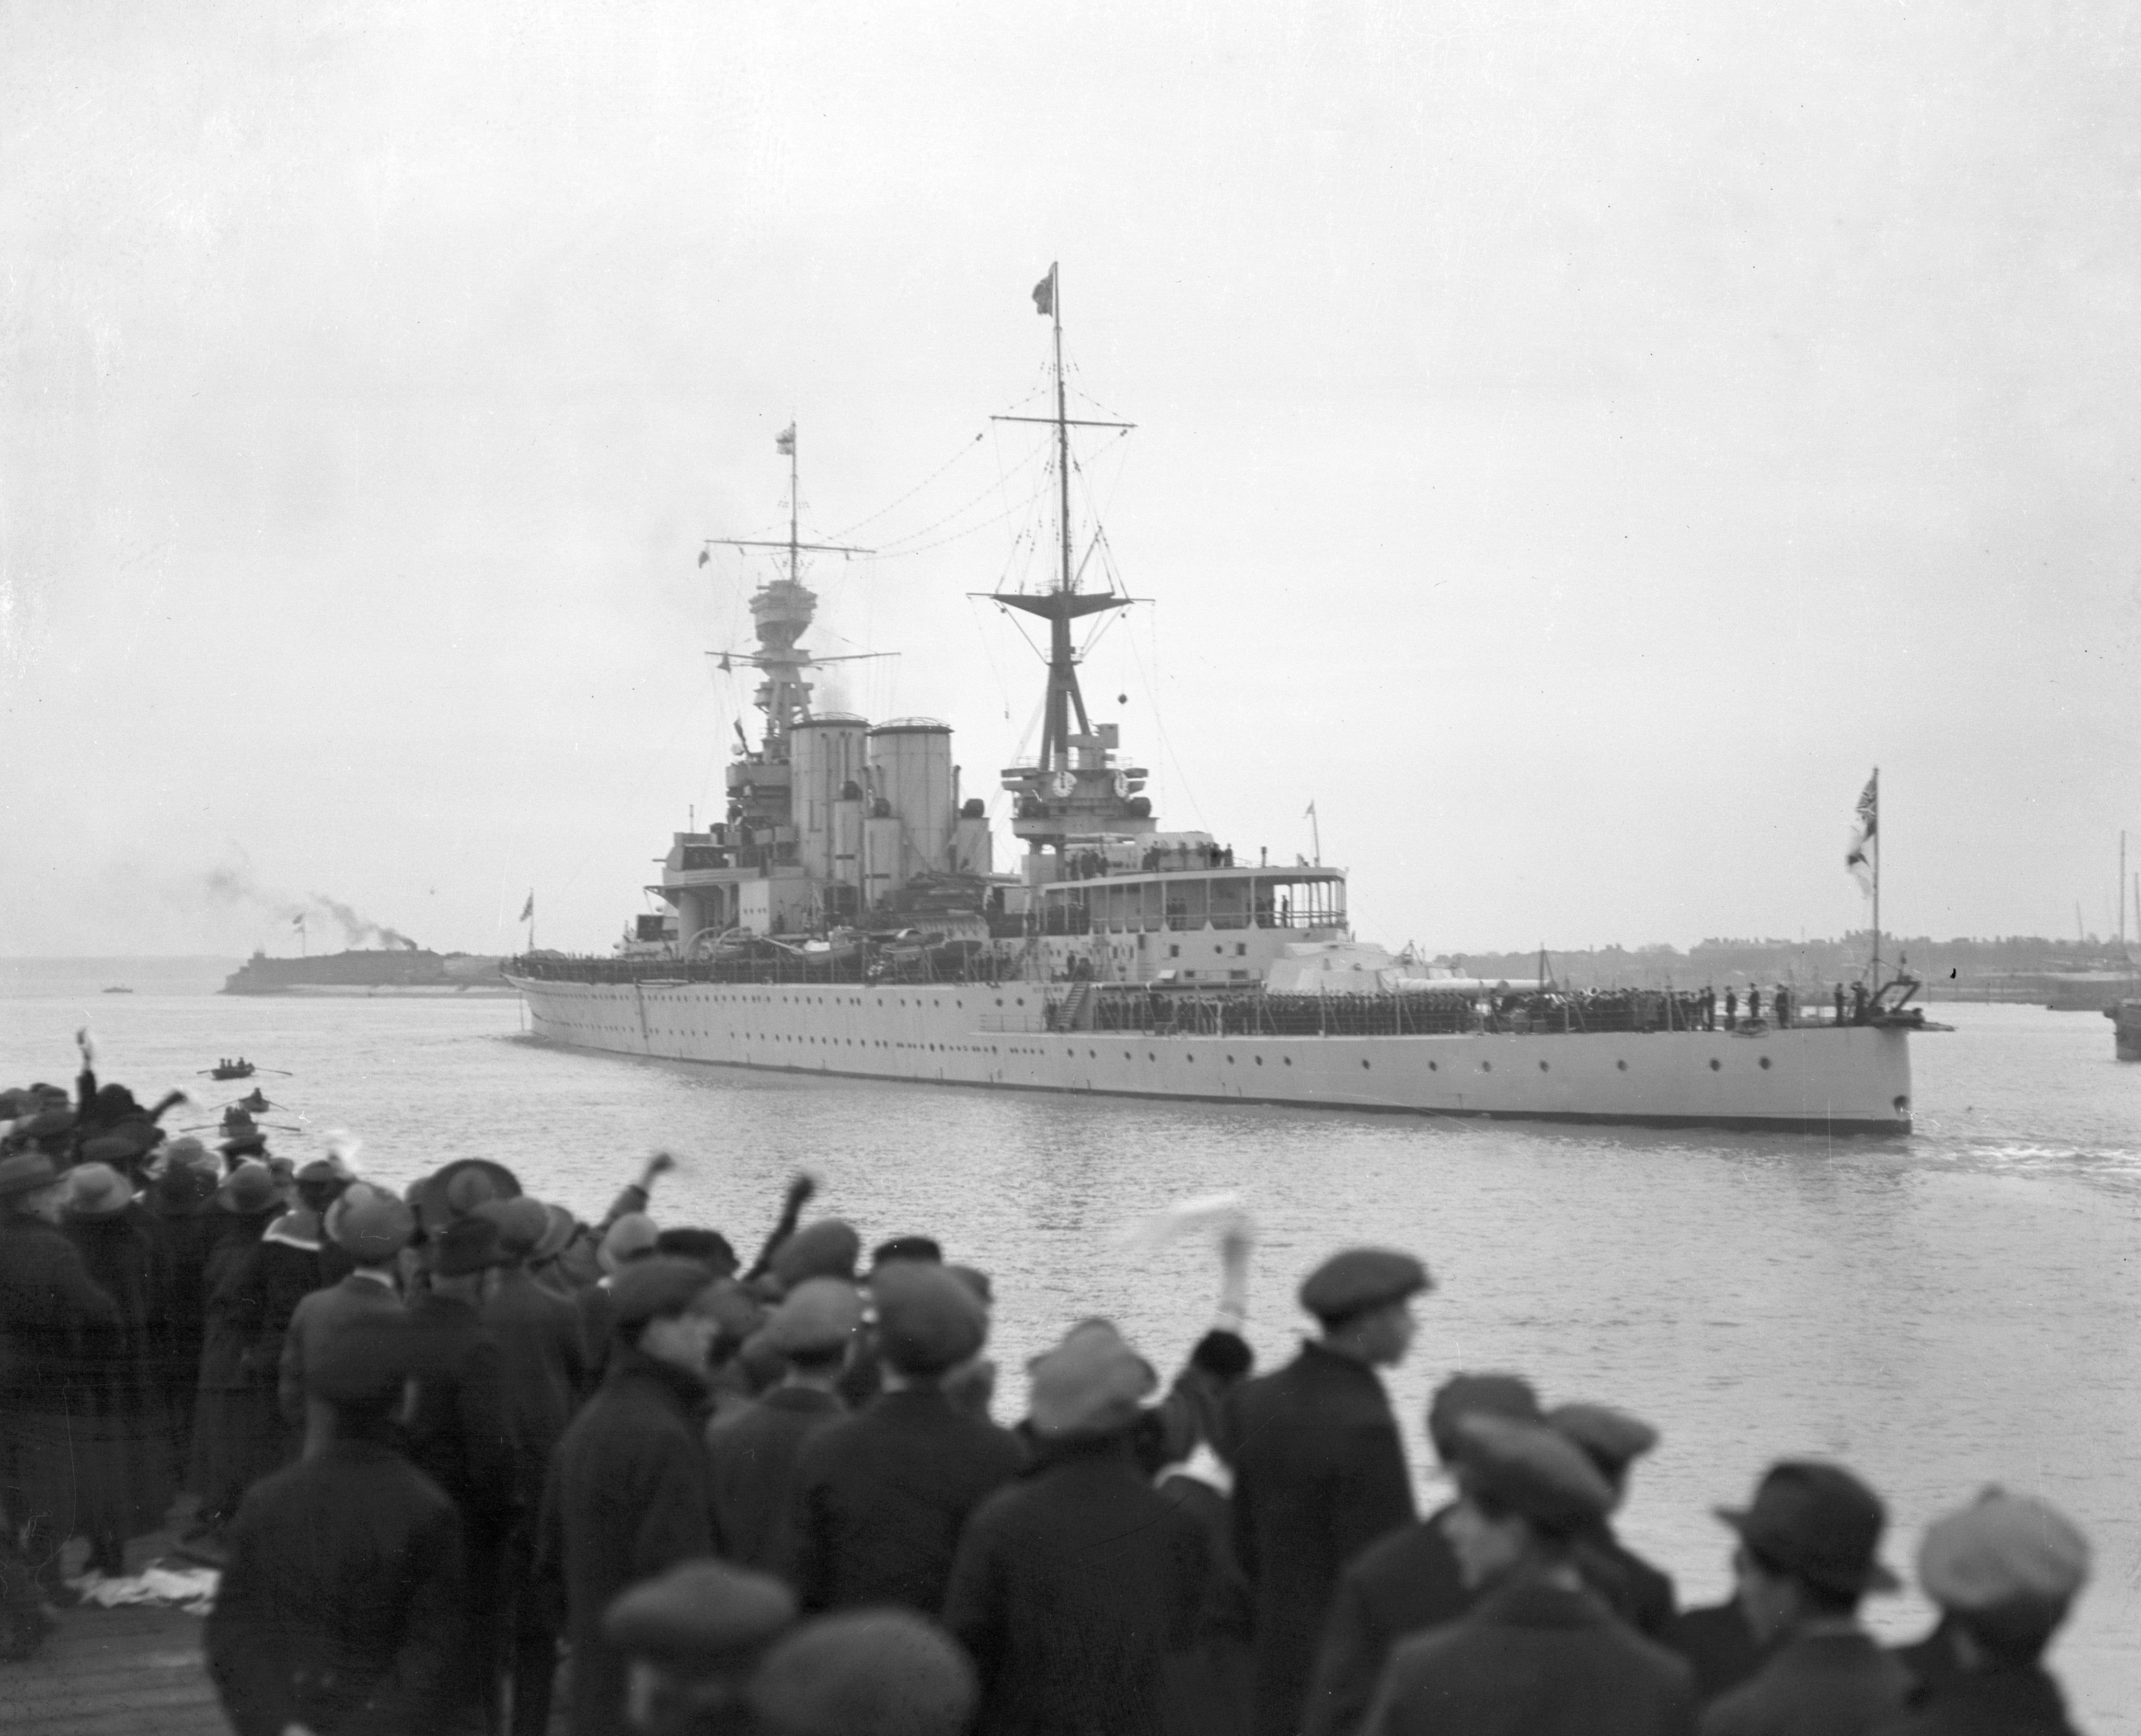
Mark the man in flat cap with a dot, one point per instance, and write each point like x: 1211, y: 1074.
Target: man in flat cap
x: 543, y: 1371
x: 751, y: 1452
x: 1079, y: 1584
x: 1612, y: 1440
x: 880, y: 1498
x: 627, y: 1497
x: 1319, y: 1470
x: 2004, y: 1571
x: 371, y: 1229
x: 1808, y: 1552
x: 1537, y: 1654
x: 1409, y: 1581
x: 883, y: 1672
x: 459, y: 1435
x: 694, y: 1637
x: 340, y: 1607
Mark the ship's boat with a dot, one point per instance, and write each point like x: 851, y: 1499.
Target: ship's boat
x: 2126, y: 1029
x: 233, y: 1070
x: 846, y: 916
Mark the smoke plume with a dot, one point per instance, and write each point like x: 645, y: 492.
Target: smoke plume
x: 231, y: 884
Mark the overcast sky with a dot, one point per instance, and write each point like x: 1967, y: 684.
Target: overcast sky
x: 1575, y: 444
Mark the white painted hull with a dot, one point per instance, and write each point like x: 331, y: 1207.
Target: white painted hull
x: 1817, y: 1079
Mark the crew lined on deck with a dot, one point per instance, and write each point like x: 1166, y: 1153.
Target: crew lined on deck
x: 440, y: 1441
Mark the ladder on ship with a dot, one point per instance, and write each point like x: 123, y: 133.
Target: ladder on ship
x: 1074, y: 1011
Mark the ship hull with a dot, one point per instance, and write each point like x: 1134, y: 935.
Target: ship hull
x: 1822, y: 1080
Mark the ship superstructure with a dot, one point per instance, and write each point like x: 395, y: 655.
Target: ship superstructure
x: 849, y: 916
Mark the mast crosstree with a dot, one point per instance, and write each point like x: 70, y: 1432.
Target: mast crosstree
x: 782, y: 612
x: 1064, y: 603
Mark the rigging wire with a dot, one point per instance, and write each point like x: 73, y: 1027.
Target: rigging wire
x: 902, y: 499
x: 893, y: 548
x: 1150, y: 678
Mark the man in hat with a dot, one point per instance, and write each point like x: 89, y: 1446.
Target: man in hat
x: 180, y: 1203
x: 751, y: 1452
x: 1612, y: 1441
x: 1808, y: 1553
x: 886, y: 1671
x: 286, y: 1269
x: 2004, y: 1571
x: 1537, y: 1654
x: 457, y: 1434
x: 626, y: 1497
x: 120, y: 1481
x: 319, y: 1184
x: 1319, y: 1470
x: 694, y: 1636
x: 340, y: 1607
x: 370, y: 1227
x: 542, y: 1372
x: 1077, y: 1585
x: 237, y: 1428
x: 880, y: 1498
x: 1408, y: 1581
x: 48, y: 1307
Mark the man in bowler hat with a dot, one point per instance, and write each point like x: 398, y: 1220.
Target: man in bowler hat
x: 371, y: 1229
x: 1808, y: 1553
x: 340, y: 1608
x: 1537, y: 1654
x: 1319, y: 1470
x: 626, y: 1497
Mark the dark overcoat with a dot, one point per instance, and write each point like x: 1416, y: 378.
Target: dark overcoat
x: 1533, y: 1660
x: 48, y: 1306
x: 881, y: 1498
x: 1839, y: 1683
x: 1074, y: 1589
x: 625, y: 1499
x: 1319, y: 1474
x: 1398, y: 1586
x: 1639, y: 1594
x: 456, y: 1431
x: 2021, y: 1701
x: 1718, y: 1644
x: 340, y: 1610
x: 238, y: 1434
x: 317, y: 1319
x: 543, y: 1370
x: 750, y: 1464
x: 121, y: 1473
x: 188, y: 1233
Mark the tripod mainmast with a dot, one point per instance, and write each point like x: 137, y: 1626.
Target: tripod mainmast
x: 1064, y: 604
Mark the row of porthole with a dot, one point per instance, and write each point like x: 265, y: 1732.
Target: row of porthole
x: 1716, y: 1066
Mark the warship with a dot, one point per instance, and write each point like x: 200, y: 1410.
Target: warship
x: 848, y: 918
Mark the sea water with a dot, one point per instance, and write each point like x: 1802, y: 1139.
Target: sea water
x: 1938, y: 1311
